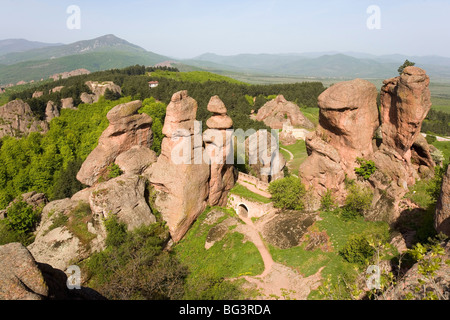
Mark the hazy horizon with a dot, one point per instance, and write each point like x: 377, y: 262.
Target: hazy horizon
x: 187, y: 29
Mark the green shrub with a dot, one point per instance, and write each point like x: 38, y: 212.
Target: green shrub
x: 134, y: 266
x: 328, y: 202
x: 359, y: 200
x: 114, y: 171
x: 288, y: 193
x: 22, y: 218
x: 357, y: 250
x: 366, y: 169
x: 116, y: 232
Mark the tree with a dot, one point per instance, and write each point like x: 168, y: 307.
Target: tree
x: 406, y: 64
x: 287, y: 193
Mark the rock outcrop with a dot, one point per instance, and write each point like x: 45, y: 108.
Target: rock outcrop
x: 126, y: 129
x: 349, y: 129
x: 276, y: 112
x: 442, y: 217
x: 51, y: 111
x: 98, y: 89
x: 219, y: 147
x: 22, y: 278
x: 263, y: 154
x: 136, y: 160
x: 17, y: 119
x: 405, y: 103
x: 65, y: 75
x: 348, y: 120
x: 124, y: 197
x: 181, y: 185
x: 67, y: 103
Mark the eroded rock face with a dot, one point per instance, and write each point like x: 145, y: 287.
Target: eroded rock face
x: 136, y: 160
x: 181, y: 189
x: 17, y: 119
x: 23, y: 278
x: 348, y: 120
x: 442, y: 217
x: 126, y: 129
x: 99, y: 88
x: 405, y: 103
x: 278, y: 111
x: 20, y: 278
x: 51, y: 111
x: 123, y: 197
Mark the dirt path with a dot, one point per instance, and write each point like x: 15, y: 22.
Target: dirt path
x: 290, y: 160
x: 277, y: 281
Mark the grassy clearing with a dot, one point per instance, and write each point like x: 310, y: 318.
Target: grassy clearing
x: 339, y: 231
x: 228, y: 258
x: 243, y: 192
x: 193, y: 76
x: 312, y: 114
x: 444, y: 146
x: 300, y: 154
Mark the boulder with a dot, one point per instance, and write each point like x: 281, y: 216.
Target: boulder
x: 217, y: 106
x: 442, y: 217
x: 56, y: 89
x: 123, y: 197
x: 37, y: 94
x: 181, y: 187
x: 220, y: 122
x: 87, y: 98
x: 136, y: 160
x: 20, y: 277
x: 23, y: 278
x: 276, y: 112
x: 57, y: 244
x: 126, y: 129
x: 67, y: 103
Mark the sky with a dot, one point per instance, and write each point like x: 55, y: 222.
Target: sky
x: 186, y: 29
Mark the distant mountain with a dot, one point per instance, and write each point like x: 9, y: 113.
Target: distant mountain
x: 323, y: 64
x: 101, y: 44
x: 98, y: 54
x: 20, y: 45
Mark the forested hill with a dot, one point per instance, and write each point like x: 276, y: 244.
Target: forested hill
x: 49, y: 162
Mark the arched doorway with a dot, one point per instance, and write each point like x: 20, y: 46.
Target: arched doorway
x: 242, y: 210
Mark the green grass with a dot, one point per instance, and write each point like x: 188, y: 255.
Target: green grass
x: 228, y: 258
x: 441, y: 104
x: 300, y: 155
x: 312, y: 114
x: 444, y: 146
x: 243, y: 192
x: 193, y: 76
x: 309, y: 262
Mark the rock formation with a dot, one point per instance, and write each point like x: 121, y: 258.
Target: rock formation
x: 442, y: 218
x: 264, y: 157
x: 17, y: 119
x: 22, y: 278
x: 67, y: 103
x: 126, y: 129
x: 51, y: 111
x: 99, y: 89
x: 182, y: 187
x: 136, y: 160
x: 219, y: 147
x: 348, y: 120
x: 349, y: 129
x: 69, y: 74
x: 276, y: 112
x: 124, y: 197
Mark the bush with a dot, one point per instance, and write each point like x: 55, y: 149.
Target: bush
x: 288, y: 193
x: 367, y: 168
x: 134, y: 266
x: 22, y: 218
x: 359, y: 200
x: 328, y: 203
x: 114, y: 171
x: 357, y: 250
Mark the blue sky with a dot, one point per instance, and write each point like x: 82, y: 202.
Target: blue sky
x: 185, y: 29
